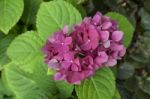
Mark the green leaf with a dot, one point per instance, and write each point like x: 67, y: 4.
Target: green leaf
x: 145, y: 19
x: 26, y: 85
x: 4, y: 43
x: 145, y: 85
x: 124, y: 25
x: 81, y: 1
x: 10, y: 12
x: 132, y: 83
x: 141, y: 95
x: 30, y: 10
x: 99, y: 86
x: 65, y: 89
x: 79, y: 7
x: 26, y: 50
x: 3, y: 90
x: 123, y: 92
x: 117, y: 95
x: 147, y: 5
x: 54, y: 15
x: 125, y: 71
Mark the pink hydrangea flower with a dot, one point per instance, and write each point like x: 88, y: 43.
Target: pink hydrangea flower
x: 94, y: 43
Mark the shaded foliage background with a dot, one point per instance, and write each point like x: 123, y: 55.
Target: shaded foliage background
x: 132, y: 73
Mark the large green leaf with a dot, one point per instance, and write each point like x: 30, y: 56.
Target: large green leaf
x: 99, y: 86
x: 29, y: 86
x: 124, y: 25
x: 10, y: 12
x: 26, y: 50
x: 54, y: 15
x: 4, y: 43
x: 30, y: 10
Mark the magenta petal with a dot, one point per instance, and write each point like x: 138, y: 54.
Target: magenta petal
x: 116, y: 47
x: 103, y: 57
x: 94, y: 37
x: 74, y: 67
x: 106, y: 25
x: 88, y: 73
x: 86, y: 46
x: 66, y: 64
x: 96, y: 18
x: 69, y: 56
x: 74, y: 77
x: 117, y: 35
x: 68, y: 40
x: 77, y: 61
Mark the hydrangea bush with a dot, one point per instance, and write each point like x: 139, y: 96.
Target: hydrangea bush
x: 94, y: 43
x: 60, y: 49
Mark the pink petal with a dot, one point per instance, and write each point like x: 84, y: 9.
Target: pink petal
x: 74, y: 77
x: 77, y: 61
x: 117, y: 35
x: 96, y: 18
x: 65, y: 64
x: 74, y: 67
x: 53, y: 63
x: 101, y: 59
x: 52, y: 40
x: 68, y: 40
x: 106, y: 25
x: 65, y: 29
x: 69, y: 56
x: 106, y: 44
x: 122, y: 52
x: 86, y: 46
x: 58, y: 76
x: 111, y: 62
x: 116, y: 47
x: 104, y: 35
x: 94, y: 37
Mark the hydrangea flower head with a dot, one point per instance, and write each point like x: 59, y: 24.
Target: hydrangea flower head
x: 94, y: 43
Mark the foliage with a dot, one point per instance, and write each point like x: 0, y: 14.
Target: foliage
x: 26, y: 24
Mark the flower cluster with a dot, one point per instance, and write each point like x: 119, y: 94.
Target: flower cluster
x: 92, y: 44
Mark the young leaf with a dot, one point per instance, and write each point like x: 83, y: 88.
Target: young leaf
x: 50, y: 71
x: 29, y: 86
x: 30, y: 10
x: 54, y: 15
x: 26, y: 49
x: 124, y: 25
x: 10, y: 12
x: 99, y: 86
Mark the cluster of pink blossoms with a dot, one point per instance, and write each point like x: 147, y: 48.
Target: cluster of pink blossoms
x: 94, y: 43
